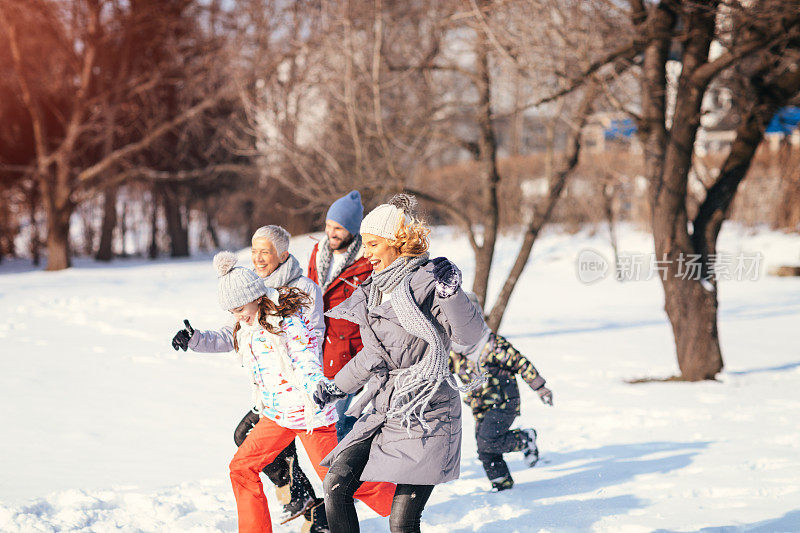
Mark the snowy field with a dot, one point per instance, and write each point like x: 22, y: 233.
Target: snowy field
x: 105, y: 427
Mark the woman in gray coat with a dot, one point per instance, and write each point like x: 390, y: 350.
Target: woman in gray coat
x: 408, y: 311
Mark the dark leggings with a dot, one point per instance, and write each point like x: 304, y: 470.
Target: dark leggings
x: 343, y: 480
x: 285, y: 468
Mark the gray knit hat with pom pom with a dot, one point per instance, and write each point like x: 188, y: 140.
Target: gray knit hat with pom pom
x: 237, y: 285
x: 386, y: 219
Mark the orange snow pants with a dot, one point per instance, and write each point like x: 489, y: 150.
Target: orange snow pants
x: 266, y: 440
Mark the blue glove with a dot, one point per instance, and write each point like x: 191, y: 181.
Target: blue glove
x: 181, y: 339
x: 448, y: 278
x: 326, y: 393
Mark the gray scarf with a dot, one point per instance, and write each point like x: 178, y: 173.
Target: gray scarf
x: 387, y: 279
x: 324, y: 256
x: 415, y: 386
x: 286, y: 273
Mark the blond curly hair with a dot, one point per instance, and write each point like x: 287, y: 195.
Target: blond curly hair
x: 411, y: 238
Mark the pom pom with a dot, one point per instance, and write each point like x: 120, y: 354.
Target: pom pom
x: 407, y: 203
x: 224, y: 263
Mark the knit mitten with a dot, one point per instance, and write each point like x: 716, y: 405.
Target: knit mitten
x: 326, y: 393
x: 448, y: 278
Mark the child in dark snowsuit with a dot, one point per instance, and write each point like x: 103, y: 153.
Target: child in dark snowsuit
x: 496, y: 404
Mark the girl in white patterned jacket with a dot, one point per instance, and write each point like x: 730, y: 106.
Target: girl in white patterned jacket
x: 278, y: 346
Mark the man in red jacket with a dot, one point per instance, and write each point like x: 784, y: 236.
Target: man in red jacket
x: 337, y: 265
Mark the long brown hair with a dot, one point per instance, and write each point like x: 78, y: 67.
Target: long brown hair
x: 290, y: 301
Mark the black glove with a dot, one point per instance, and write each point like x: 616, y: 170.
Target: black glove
x: 181, y: 339
x: 326, y: 393
x: 545, y: 395
x: 448, y: 278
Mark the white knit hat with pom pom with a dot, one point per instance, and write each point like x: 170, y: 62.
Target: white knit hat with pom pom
x: 237, y: 286
x: 386, y: 219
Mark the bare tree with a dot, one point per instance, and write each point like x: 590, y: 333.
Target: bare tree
x: 557, y: 176
x: 62, y: 72
x: 582, y: 34
x: 385, y: 101
x: 760, y: 38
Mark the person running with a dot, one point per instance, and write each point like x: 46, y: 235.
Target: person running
x: 275, y: 341
x: 496, y: 403
x: 272, y: 262
x: 407, y: 312
x: 338, y: 266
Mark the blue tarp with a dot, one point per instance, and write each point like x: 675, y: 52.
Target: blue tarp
x: 785, y: 120
x: 619, y: 129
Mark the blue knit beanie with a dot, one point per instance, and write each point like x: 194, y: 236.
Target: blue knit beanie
x: 347, y: 211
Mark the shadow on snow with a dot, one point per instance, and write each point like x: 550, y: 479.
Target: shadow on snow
x: 584, y: 472
x: 785, y: 524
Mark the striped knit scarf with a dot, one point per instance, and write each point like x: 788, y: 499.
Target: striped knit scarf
x: 324, y: 256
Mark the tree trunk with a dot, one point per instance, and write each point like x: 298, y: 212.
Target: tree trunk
x: 7, y: 228
x: 248, y: 210
x: 152, y: 251
x: 691, y: 305
x: 517, y: 120
x: 86, y: 213
x: 212, y: 232
x: 105, y: 250
x: 557, y: 182
x: 776, y: 86
x: 487, y: 143
x: 176, y: 226
x: 58, y: 209
x: 692, y: 311
x: 33, y: 204
x: 123, y: 228
x: 609, y: 192
x: 58, y: 251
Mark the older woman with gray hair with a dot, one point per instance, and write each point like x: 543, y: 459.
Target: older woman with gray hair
x: 273, y: 263
x: 407, y: 311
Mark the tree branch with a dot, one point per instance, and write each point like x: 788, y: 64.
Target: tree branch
x: 453, y: 211
x: 749, y: 134
x: 705, y: 73
x: 73, y: 126
x: 626, y: 52
x: 37, y: 120
x: 376, y: 89
x: 132, y: 148
x: 557, y: 182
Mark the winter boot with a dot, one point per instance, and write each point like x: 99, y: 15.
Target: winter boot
x: 316, y: 519
x: 502, y: 483
x: 299, y: 504
x: 529, y: 449
x: 301, y: 495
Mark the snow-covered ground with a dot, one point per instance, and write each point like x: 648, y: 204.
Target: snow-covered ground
x: 105, y: 427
